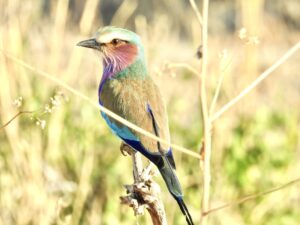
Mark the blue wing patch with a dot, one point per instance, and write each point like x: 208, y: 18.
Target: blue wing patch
x: 128, y: 137
x: 122, y: 132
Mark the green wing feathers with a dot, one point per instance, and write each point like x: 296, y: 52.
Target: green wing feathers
x: 128, y: 97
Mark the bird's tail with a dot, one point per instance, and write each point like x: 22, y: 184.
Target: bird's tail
x: 184, y: 210
x: 172, y: 182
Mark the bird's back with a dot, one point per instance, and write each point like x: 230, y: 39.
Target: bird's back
x: 129, y: 97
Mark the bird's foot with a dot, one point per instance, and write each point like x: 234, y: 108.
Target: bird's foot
x: 126, y: 149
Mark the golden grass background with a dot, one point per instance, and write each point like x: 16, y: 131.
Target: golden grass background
x: 71, y: 172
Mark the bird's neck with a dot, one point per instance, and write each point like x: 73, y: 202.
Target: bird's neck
x: 137, y: 69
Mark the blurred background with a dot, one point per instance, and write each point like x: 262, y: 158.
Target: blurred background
x: 61, y: 165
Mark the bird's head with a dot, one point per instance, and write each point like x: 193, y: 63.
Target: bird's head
x: 119, y: 47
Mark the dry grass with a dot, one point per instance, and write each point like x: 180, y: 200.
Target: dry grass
x: 71, y: 172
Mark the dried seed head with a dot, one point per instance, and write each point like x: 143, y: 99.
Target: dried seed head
x: 243, y: 33
x: 41, y: 123
x: 18, y: 102
x: 47, y: 109
x: 253, y: 40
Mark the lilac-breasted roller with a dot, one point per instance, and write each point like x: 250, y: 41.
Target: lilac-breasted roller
x: 127, y: 90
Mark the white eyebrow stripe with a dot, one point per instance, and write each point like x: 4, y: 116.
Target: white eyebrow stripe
x: 106, y: 38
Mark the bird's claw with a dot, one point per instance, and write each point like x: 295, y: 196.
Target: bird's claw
x: 126, y: 149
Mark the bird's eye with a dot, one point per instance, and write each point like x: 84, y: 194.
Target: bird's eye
x: 115, y: 41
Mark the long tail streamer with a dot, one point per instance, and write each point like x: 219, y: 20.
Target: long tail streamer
x: 185, y: 211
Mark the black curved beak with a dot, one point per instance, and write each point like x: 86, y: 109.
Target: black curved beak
x: 90, y: 43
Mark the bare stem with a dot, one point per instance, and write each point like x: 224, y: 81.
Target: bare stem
x: 257, y: 81
x: 197, y: 12
x: 14, y: 117
x: 219, y: 85
x: 205, y: 116
x: 186, y: 66
x: 216, y: 95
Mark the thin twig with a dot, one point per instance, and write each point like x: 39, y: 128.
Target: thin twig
x: 14, y: 117
x: 105, y: 110
x: 186, y: 66
x: 218, y: 88
x: 197, y: 12
x: 251, y: 197
x: 257, y: 81
x: 216, y: 95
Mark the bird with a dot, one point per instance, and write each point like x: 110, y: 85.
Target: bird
x: 127, y: 89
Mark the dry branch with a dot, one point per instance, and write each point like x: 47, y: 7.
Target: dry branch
x: 144, y: 192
